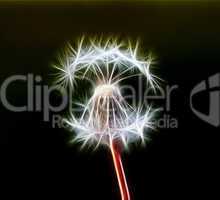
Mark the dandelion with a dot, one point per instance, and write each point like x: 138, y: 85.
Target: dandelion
x: 106, y: 118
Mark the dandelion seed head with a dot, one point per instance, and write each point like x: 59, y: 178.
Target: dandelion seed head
x: 106, y: 116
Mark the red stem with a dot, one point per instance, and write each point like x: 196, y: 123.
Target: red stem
x: 120, y: 172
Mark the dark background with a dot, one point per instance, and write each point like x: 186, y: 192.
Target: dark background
x: 178, y: 163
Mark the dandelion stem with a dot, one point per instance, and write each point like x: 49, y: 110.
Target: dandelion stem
x: 120, y: 172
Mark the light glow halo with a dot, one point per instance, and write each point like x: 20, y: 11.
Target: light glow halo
x: 106, y: 115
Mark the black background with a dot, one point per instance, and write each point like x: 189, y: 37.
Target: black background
x: 178, y: 163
